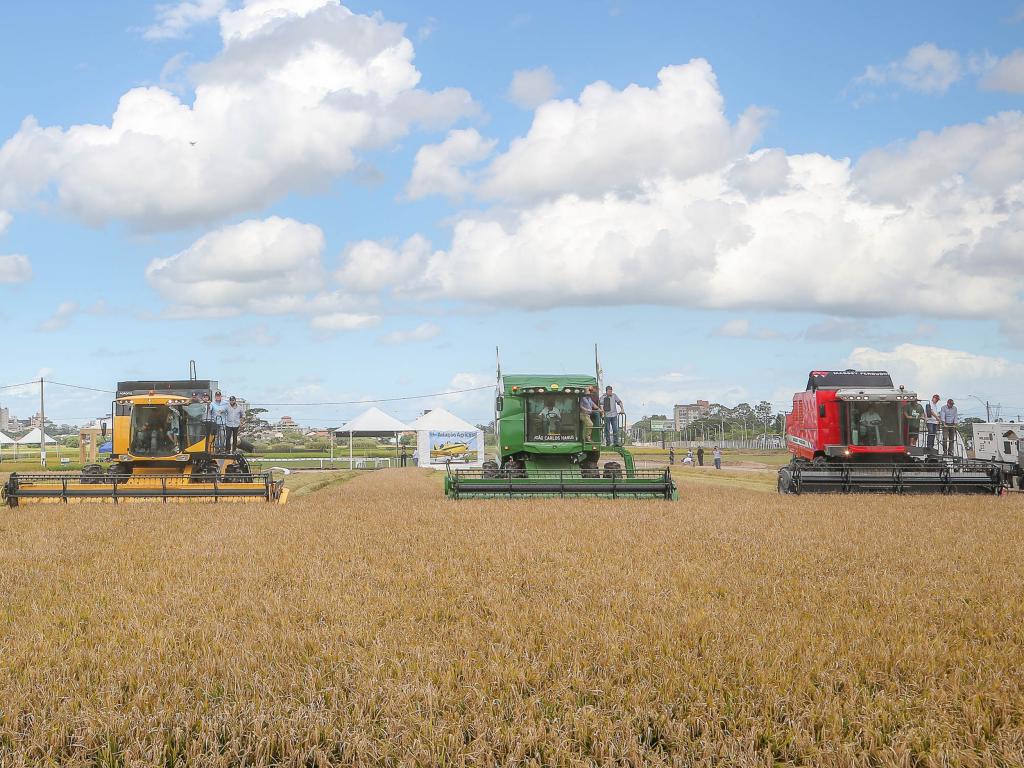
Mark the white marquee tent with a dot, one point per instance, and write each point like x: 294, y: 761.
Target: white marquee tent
x: 442, y: 436
x: 32, y: 438
x: 372, y: 422
x: 5, y: 440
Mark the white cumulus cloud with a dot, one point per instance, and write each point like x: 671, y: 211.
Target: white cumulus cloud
x: 66, y: 313
x: 175, y: 19
x: 422, y: 332
x: 15, y: 268
x: 618, y: 140
x: 256, y: 266
x: 300, y: 88
x: 741, y: 328
x: 1007, y: 74
x: 369, y: 266
x: 925, y: 68
x: 343, y: 321
x: 532, y: 87
x: 720, y: 226
x: 438, y: 168
x: 950, y: 372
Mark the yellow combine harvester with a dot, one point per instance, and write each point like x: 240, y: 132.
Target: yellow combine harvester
x: 163, y: 451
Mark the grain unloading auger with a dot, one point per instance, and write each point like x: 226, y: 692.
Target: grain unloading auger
x: 164, y: 451
x: 854, y: 432
x: 545, y: 449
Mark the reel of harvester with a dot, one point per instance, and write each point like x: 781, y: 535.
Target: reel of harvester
x: 85, y: 487
x: 547, y: 447
x: 518, y: 483
x: 955, y: 477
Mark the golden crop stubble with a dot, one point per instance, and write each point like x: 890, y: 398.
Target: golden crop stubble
x: 376, y: 621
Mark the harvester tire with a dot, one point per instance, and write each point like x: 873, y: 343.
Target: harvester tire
x: 119, y: 472
x: 235, y: 473
x: 785, y: 481
x: 491, y: 469
x: 204, y: 471
x: 612, y: 470
x: 92, y: 474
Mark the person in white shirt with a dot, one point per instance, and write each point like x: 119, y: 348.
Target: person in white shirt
x: 612, y: 406
x: 931, y: 412
x: 217, y: 410
x: 949, y: 418
x: 232, y: 421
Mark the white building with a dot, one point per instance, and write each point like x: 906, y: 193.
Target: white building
x: 685, y: 415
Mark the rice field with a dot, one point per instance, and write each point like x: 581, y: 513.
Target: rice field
x: 372, y: 622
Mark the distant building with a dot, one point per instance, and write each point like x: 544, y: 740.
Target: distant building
x: 287, y: 422
x: 685, y: 415
x: 5, y: 419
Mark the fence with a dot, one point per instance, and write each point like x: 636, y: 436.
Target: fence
x: 340, y: 462
x: 773, y: 444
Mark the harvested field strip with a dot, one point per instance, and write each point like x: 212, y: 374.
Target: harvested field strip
x: 374, y: 622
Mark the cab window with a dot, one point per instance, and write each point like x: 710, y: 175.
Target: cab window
x: 553, y: 418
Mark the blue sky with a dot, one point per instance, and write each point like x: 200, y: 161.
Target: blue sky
x: 723, y: 196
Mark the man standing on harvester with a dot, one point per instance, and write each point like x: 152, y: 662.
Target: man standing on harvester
x: 612, y: 408
x: 950, y: 419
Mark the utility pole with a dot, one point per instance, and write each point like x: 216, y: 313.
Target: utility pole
x: 42, y: 426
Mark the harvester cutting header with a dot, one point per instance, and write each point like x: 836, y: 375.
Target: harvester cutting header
x: 164, y: 449
x: 853, y: 431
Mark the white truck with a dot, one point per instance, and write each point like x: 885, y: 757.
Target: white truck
x: 1003, y: 442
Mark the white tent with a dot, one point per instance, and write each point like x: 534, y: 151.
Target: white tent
x: 442, y: 437
x: 5, y: 440
x: 32, y: 438
x: 372, y: 422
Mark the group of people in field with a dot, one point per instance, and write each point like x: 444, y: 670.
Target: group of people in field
x: 689, y: 460
x: 217, y: 420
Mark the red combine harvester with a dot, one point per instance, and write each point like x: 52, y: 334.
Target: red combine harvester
x: 854, y: 432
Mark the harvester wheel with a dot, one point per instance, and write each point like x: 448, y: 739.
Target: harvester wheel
x: 119, y: 472
x: 491, y: 469
x: 785, y: 481
x: 204, y: 471
x: 234, y: 473
x: 93, y: 473
x: 612, y: 470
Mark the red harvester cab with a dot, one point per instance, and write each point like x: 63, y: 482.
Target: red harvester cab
x: 850, y: 416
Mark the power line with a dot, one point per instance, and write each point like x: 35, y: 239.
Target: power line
x: 380, y: 399
x: 79, y: 386
x: 282, y: 405
x: 24, y: 384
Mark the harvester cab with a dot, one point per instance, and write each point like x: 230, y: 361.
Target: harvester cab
x: 546, y: 446
x: 853, y: 432
x: 163, y: 449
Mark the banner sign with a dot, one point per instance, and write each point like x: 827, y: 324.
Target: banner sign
x: 661, y: 426
x: 456, y: 447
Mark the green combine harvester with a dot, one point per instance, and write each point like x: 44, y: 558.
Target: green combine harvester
x: 545, y: 450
